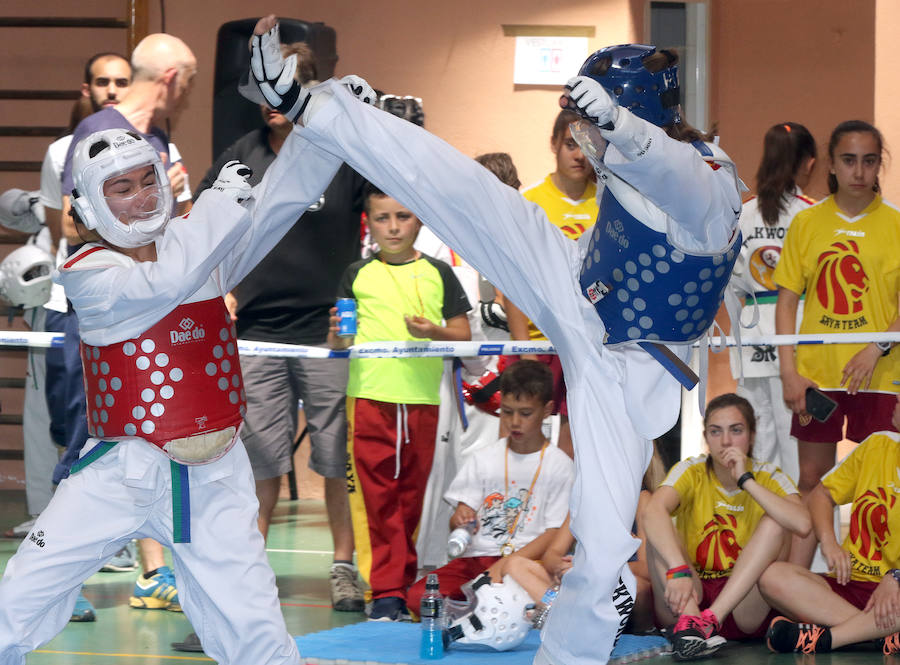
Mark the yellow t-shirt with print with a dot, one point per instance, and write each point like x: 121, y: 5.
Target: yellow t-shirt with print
x: 849, y: 270
x: 573, y: 217
x: 869, y: 477
x: 714, y: 523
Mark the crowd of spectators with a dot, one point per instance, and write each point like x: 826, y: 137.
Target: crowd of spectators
x: 728, y: 537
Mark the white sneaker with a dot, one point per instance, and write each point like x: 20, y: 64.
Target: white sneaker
x: 20, y: 530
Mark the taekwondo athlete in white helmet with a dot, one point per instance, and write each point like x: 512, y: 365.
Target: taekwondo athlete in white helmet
x: 165, y: 398
x: 670, y: 206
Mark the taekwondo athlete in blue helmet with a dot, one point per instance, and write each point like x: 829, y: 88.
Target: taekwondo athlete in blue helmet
x: 616, y: 305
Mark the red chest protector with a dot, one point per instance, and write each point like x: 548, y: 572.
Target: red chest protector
x: 178, y: 385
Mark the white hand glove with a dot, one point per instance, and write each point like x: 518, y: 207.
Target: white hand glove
x: 359, y: 88
x: 274, y: 76
x: 592, y: 101
x: 232, y: 181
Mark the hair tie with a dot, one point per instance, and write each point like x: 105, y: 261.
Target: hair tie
x: 787, y: 128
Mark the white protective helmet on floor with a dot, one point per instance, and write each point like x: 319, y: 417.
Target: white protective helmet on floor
x: 121, y: 189
x: 493, y: 615
x: 25, y: 277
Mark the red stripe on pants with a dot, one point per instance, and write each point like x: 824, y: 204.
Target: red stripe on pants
x: 451, y: 577
x: 393, y: 506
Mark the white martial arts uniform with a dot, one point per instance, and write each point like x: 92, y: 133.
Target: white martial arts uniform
x: 760, y: 252
x: 226, y: 586
x: 619, y: 399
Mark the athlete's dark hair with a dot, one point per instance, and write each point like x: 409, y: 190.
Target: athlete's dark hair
x: 99, y: 56
x: 742, y: 405
x: 501, y: 165
x: 848, y: 127
x: 527, y: 377
x: 786, y: 147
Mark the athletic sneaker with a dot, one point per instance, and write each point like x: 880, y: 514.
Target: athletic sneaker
x: 346, y: 590
x: 83, y: 610
x: 123, y: 561
x: 785, y: 636
x: 890, y: 645
x: 389, y: 609
x: 157, y: 592
x: 696, y: 636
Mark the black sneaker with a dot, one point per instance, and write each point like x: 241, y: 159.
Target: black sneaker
x: 388, y: 609
x: 786, y: 636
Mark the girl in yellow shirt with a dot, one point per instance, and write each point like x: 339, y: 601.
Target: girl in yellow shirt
x: 733, y: 517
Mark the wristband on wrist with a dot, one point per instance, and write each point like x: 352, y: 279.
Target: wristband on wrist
x: 747, y: 475
x: 895, y: 573
x: 678, y: 571
x: 884, y: 347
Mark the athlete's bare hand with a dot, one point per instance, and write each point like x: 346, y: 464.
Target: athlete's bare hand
x: 794, y: 387
x: 462, y: 516
x: 419, y: 327
x: 858, y: 371
x: 736, y: 461
x: 231, y: 304
x: 884, y: 603
x: 679, y: 592
x: 177, y: 178
x: 838, y: 560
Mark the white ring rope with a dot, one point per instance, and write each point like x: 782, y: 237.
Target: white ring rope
x: 413, y: 349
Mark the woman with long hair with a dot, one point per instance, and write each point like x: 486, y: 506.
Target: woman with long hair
x: 733, y: 517
x: 842, y: 255
x: 789, y: 155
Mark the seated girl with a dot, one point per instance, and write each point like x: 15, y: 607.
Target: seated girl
x: 733, y: 517
x: 859, y: 599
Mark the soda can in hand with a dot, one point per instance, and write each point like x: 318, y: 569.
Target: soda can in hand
x: 346, y: 311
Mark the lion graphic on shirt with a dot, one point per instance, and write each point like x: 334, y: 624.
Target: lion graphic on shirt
x: 842, y: 279
x: 869, y: 530
x: 718, y: 548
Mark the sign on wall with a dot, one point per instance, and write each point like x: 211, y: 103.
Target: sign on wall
x: 547, y: 60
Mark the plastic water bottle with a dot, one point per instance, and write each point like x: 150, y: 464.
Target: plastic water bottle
x: 459, y: 540
x: 542, y: 609
x: 431, y: 612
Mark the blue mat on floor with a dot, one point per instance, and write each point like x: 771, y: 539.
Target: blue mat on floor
x: 375, y: 642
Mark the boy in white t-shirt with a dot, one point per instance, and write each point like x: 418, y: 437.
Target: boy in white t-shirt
x: 516, y: 490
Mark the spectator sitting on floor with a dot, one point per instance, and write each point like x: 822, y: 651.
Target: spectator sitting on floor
x: 859, y: 599
x: 516, y: 491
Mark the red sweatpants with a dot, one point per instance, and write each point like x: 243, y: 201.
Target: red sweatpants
x: 451, y: 577
x: 386, y: 510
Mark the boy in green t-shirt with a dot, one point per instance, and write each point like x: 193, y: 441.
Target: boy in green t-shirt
x: 392, y: 404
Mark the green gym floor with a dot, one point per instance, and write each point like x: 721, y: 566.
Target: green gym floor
x: 300, y: 553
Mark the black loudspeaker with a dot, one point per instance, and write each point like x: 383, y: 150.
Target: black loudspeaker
x: 234, y: 116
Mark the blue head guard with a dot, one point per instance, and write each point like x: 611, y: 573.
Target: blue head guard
x: 652, y: 96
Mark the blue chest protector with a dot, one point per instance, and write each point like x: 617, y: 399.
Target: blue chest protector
x: 643, y: 288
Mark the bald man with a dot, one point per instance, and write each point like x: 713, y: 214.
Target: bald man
x: 163, y: 69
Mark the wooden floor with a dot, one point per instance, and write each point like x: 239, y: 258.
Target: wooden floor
x: 300, y: 553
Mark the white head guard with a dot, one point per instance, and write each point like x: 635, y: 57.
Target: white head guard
x: 104, y: 155
x: 493, y: 616
x: 25, y: 277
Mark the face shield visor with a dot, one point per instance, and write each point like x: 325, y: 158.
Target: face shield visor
x: 588, y: 137
x: 121, y: 189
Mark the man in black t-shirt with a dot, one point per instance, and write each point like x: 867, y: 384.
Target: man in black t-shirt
x: 286, y: 299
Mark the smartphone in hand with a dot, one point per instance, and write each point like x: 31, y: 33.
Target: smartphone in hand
x: 819, y: 405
